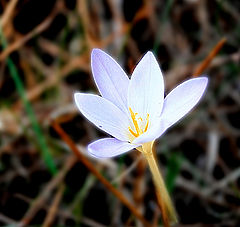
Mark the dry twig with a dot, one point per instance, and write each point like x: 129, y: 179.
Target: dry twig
x: 20, y: 42
x: 54, y: 207
x: 7, y: 13
x: 199, y: 70
x: 39, y: 202
x: 94, y: 171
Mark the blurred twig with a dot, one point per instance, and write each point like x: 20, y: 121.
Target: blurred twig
x: 223, y: 183
x: 7, y: 13
x: 127, y: 171
x: 74, y: 63
x: 53, y: 209
x: 7, y: 220
x: 20, y: 42
x: 94, y: 171
x: 41, y: 199
x: 139, y: 182
x: 199, y: 70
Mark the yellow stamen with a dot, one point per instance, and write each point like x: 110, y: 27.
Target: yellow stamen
x: 133, y: 116
x: 134, y: 134
x: 135, y: 120
x: 146, y: 127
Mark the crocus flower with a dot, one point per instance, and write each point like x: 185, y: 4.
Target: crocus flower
x: 135, y: 113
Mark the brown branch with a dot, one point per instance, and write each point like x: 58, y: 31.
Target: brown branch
x: 44, y: 195
x: 199, y: 70
x: 8, y: 13
x: 54, y: 207
x: 96, y: 173
x: 20, y: 42
x: 75, y: 63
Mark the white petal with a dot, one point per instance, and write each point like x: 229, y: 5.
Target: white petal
x: 103, y: 114
x: 109, y: 147
x: 146, y: 88
x: 111, y: 80
x: 176, y: 105
x: 182, y: 99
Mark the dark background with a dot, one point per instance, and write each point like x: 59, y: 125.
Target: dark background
x: 49, y: 44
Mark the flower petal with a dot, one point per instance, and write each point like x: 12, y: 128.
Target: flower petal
x: 176, y: 105
x: 182, y: 99
x: 146, y: 88
x: 109, y: 147
x: 103, y: 114
x: 111, y: 80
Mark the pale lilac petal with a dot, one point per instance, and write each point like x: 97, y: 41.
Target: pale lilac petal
x: 111, y: 80
x: 109, y: 147
x: 146, y: 137
x: 103, y: 114
x: 146, y: 88
x: 182, y: 99
x: 176, y: 105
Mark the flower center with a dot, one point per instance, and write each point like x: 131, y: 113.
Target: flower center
x: 138, y: 124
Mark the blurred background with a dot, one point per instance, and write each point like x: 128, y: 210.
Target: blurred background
x: 45, y: 57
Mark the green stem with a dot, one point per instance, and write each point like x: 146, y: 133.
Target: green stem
x: 165, y: 203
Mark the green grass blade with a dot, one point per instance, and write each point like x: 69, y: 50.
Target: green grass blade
x: 46, y: 155
x: 163, y: 19
x: 173, y: 170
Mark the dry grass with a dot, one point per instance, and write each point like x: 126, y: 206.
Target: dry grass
x: 51, y: 52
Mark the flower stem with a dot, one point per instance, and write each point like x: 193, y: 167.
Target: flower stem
x: 165, y: 203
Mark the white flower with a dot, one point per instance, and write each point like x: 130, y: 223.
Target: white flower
x: 133, y: 111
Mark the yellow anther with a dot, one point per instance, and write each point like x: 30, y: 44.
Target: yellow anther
x: 133, y: 133
x: 146, y: 127
x: 135, y: 120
